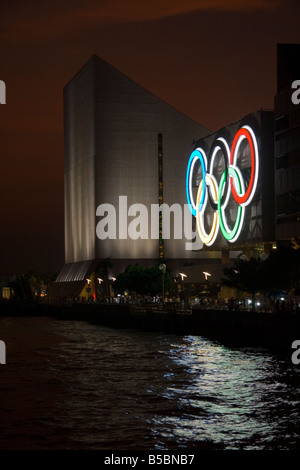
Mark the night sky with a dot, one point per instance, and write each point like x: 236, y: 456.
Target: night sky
x: 214, y: 61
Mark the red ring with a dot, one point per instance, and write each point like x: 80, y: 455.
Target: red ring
x: 246, y: 133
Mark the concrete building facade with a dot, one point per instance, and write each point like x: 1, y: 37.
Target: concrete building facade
x: 123, y: 146
x: 243, y: 154
x: 287, y: 142
x: 126, y: 150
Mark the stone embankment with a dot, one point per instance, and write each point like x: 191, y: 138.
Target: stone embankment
x: 233, y: 328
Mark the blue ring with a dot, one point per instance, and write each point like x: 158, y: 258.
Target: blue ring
x: 195, y: 154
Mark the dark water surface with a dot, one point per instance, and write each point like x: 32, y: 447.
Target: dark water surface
x: 72, y: 385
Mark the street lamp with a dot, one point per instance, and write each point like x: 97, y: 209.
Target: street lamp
x: 182, y: 278
x: 206, y: 275
x: 183, y: 293
x: 100, y: 281
x: 162, y: 267
x: 111, y: 291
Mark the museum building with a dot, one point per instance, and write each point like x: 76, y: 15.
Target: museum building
x: 145, y: 184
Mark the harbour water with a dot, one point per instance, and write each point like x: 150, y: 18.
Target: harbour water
x: 75, y: 385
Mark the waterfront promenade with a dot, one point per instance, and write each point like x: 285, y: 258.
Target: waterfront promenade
x: 275, y: 330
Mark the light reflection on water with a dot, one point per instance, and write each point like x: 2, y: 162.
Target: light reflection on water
x: 237, y: 398
x: 78, y: 386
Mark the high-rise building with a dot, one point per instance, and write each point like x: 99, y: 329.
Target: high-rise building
x: 128, y: 154
x: 287, y: 142
x: 236, y: 201
x: 125, y: 150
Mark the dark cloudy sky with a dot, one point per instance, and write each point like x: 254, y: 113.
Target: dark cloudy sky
x: 213, y: 60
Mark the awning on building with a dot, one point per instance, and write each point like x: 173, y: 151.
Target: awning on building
x: 72, y: 279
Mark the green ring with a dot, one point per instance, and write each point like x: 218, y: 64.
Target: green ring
x: 229, y: 235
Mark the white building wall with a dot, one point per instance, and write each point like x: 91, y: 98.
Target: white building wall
x: 111, y: 131
x: 79, y: 111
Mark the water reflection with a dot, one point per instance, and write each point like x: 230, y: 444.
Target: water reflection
x: 237, y: 398
x: 78, y: 386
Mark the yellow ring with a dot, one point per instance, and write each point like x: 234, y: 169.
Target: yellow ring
x: 208, y: 239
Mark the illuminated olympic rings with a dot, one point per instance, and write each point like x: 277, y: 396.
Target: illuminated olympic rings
x: 219, y: 195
